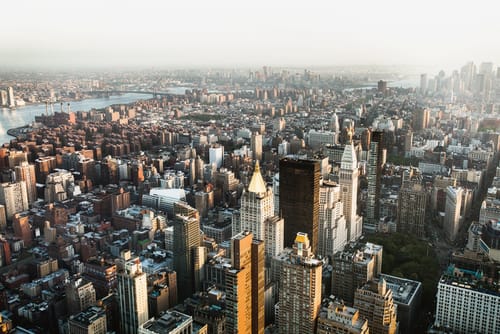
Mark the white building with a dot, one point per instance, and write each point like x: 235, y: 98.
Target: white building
x: 216, y: 155
x: 466, y: 303
x: 332, y: 223
x: 452, y: 214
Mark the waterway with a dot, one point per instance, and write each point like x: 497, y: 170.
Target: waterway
x: 21, y: 116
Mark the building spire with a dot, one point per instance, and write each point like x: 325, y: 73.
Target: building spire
x: 257, y: 184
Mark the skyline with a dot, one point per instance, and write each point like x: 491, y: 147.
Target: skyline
x: 120, y: 34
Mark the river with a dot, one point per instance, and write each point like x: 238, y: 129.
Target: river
x: 10, y: 119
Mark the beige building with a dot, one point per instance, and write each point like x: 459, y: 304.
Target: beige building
x: 337, y: 318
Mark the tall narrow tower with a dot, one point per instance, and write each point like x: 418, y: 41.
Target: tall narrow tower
x: 300, y: 290
x: 256, y: 146
x: 133, y: 297
x: 299, y: 198
x: 187, y: 239
x: 348, y: 180
x: 374, y: 172
x: 245, y: 286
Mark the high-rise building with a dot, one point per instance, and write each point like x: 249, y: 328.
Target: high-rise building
x: 423, y: 83
x: 170, y: 322
x: 216, y: 155
x: 256, y: 146
x: 90, y: 321
x: 332, y: 235
x: 421, y: 119
x: 348, y: 180
x: 187, y: 239
x: 15, y: 198
x: 245, y: 286
x: 374, y: 172
x: 412, y: 202
x: 467, y: 302
x: 3, y: 218
x: 10, y: 97
x: 452, y: 212
x: 300, y: 289
x: 257, y: 214
x: 375, y: 303
x: 22, y: 228
x: 133, y: 297
x: 79, y: 295
x: 299, y: 198
x: 352, y: 268
x: 26, y: 172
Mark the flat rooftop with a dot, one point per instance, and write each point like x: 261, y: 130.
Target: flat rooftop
x: 403, y: 290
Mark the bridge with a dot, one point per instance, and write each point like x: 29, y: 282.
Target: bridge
x: 110, y: 92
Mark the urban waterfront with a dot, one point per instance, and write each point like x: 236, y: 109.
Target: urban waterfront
x: 14, y: 118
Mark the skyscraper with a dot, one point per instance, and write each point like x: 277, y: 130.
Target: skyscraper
x: 245, y: 286
x: 15, y: 198
x: 348, y: 180
x: 257, y: 214
x: 452, y: 212
x: 300, y: 290
x: 374, y: 172
x: 186, y: 241
x: 299, y: 198
x: 26, y: 172
x: 423, y: 83
x: 79, y: 295
x: 332, y: 235
x: 412, y: 202
x: 133, y: 297
x: 375, y: 303
x: 10, y: 97
x: 256, y: 146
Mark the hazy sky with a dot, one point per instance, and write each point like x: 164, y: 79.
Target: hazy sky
x: 187, y: 33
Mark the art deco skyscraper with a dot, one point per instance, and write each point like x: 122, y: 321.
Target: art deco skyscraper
x: 332, y: 224
x: 299, y: 198
x: 187, y: 239
x: 26, y: 172
x: 300, y: 290
x: 133, y: 297
x: 374, y: 171
x: 257, y: 214
x: 375, y: 303
x: 245, y: 286
x: 348, y: 180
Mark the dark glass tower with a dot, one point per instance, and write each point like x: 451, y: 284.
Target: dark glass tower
x: 299, y: 199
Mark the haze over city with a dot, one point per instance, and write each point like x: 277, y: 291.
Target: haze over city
x: 65, y: 34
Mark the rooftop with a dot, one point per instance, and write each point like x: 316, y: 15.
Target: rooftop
x: 403, y: 290
x: 167, y: 322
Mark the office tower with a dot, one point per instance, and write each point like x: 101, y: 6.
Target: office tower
x: 467, y: 302
x: 337, y: 318
x: 133, y: 296
x: 89, y: 321
x: 348, y: 180
x: 423, y: 83
x: 257, y: 204
x: 332, y: 235
x: 318, y: 139
x: 256, y: 146
x: 26, y: 172
x: 334, y: 123
x: 79, y: 295
x: 276, y: 192
x: 351, y: 268
x: 10, y: 97
x: 299, y: 198
x: 216, y: 155
x: 15, y: 198
x: 375, y: 303
x: 300, y: 289
x: 374, y: 172
x: 421, y: 119
x: 452, y: 212
x: 382, y: 86
x: 187, y: 239
x: 412, y: 202
x: 245, y: 286
x: 170, y: 322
